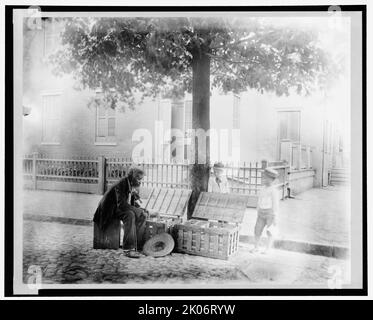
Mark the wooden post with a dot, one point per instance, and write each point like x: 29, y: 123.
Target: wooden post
x: 308, y: 157
x: 299, y: 156
x: 101, y: 175
x: 34, y: 169
x: 291, y: 164
x: 264, y: 165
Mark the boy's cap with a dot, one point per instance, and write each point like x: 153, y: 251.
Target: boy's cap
x: 218, y: 165
x: 271, y: 173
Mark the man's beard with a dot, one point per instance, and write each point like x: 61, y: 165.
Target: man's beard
x: 135, y: 183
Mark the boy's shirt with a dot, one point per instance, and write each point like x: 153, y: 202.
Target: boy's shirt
x: 221, y: 187
x: 268, y: 199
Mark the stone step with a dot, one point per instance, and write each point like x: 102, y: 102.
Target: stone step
x: 340, y: 171
x: 340, y: 175
x: 339, y: 180
x: 335, y: 183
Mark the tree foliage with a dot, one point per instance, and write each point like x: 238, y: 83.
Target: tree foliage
x: 144, y: 57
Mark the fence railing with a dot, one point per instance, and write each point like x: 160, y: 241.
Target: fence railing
x: 99, y: 173
x: 37, y: 167
x: 173, y: 175
x: 299, y: 156
x: 245, y: 178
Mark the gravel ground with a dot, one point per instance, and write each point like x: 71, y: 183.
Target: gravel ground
x: 65, y: 255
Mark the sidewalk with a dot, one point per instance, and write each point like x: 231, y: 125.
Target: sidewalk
x: 316, y: 221
x: 318, y: 217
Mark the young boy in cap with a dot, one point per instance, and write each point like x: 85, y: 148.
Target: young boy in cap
x: 218, y: 181
x: 267, y: 208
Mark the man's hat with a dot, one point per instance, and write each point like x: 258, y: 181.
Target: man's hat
x: 271, y: 173
x: 159, y: 246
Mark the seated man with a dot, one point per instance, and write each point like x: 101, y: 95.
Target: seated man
x: 218, y: 182
x: 119, y: 202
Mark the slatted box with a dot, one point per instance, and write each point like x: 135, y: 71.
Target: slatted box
x: 214, y: 230
x: 169, y: 205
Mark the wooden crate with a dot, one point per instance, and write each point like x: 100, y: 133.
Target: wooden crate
x: 169, y: 205
x: 214, y: 230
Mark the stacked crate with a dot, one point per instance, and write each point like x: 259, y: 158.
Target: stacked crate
x: 169, y: 205
x: 214, y: 230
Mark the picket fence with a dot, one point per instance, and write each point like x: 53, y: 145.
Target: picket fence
x: 95, y: 175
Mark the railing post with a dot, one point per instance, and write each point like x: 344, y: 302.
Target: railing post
x: 34, y: 170
x: 264, y: 165
x: 299, y: 156
x: 286, y: 179
x: 101, y: 175
x: 308, y: 157
x: 291, y: 164
x: 283, y: 170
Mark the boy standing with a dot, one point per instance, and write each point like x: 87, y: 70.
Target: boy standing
x: 267, y: 208
x: 218, y: 182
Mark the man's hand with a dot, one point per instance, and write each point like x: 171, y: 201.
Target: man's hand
x: 145, y: 213
x: 153, y: 214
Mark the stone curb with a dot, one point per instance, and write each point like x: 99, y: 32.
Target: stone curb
x: 305, y: 247
x: 65, y: 220
x: 289, y: 245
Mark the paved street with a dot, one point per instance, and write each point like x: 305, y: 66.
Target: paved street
x: 64, y: 253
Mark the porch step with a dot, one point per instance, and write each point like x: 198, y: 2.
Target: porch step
x: 340, y: 176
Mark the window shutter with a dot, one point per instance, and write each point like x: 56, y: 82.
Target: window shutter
x: 101, y: 127
x: 105, y: 124
x: 111, y: 127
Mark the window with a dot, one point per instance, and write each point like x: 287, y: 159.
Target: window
x: 289, y: 125
x: 105, y: 125
x: 51, y: 118
x: 51, y: 37
x: 236, y: 112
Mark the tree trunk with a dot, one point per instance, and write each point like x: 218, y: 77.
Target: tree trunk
x: 199, y: 172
